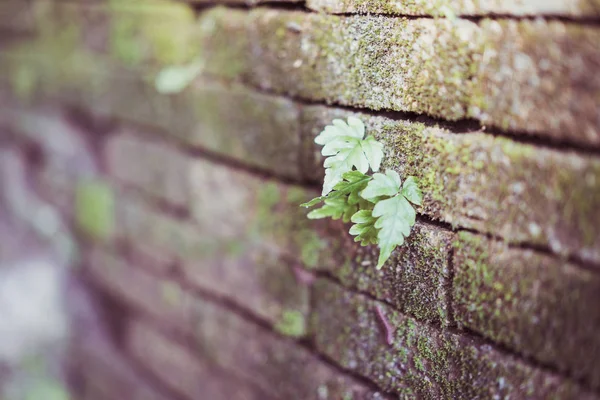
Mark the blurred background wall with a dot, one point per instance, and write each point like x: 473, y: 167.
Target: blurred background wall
x: 153, y: 155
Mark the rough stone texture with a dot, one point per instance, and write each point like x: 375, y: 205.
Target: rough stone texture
x: 445, y: 67
x: 517, y: 191
x: 415, y: 279
x: 106, y: 377
x: 182, y: 372
x: 159, y: 297
x: 279, y: 366
x: 155, y: 167
x: 227, y: 262
x: 159, y: 240
x: 293, y: 53
x: 421, y: 362
x: 449, y: 8
x: 539, y: 306
x: 249, y: 230
x: 539, y: 76
x: 261, y: 130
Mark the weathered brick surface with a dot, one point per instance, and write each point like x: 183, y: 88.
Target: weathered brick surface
x: 180, y: 370
x: 441, y: 68
x: 161, y: 298
x: 415, y: 279
x: 517, y: 191
x: 421, y: 362
x: 540, y: 306
x: 248, y: 227
x: 539, y: 76
x: 279, y: 366
x: 107, y: 375
x: 449, y: 69
x: 294, y: 53
x: 154, y: 167
x: 583, y: 8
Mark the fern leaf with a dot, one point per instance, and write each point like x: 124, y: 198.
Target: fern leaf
x: 334, y: 208
x: 345, y: 148
x: 411, y: 191
x: 382, y: 185
x: 364, y: 227
x: 395, y: 216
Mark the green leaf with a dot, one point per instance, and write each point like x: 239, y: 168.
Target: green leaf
x: 313, y: 202
x: 345, y: 149
x: 364, y: 227
x: 353, y: 183
x: 176, y: 78
x: 395, y: 217
x: 334, y: 208
x: 411, y: 191
x: 373, y: 151
x: 382, y: 185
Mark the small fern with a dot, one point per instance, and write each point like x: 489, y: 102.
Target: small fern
x: 380, y: 206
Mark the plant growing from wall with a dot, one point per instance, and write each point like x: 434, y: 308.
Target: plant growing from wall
x: 380, y: 206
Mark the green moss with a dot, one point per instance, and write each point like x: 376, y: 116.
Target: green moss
x: 292, y: 323
x: 158, y: 31
x: 95, y: 208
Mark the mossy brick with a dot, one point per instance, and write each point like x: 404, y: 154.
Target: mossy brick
x: 160, y: 298
x: 346, y: 327
x: 520, y: 192
x: 132, y: 34
x: 449, y: 69
x: 227, y: 257
x: 249, y: 229
x: 180, y: 370
x: 260, y: 130
x: 481, y: 371
x: 351, y: 60
x: 415, y: 279
x: 156, y: 239
x: 540, y: 306
x: 280, y: 366
x: 450, y: 8
x: 539, y: 76
x: 105, y: 374
x: 155, y: 167
x: 422, y: 361
x: 200, y: 117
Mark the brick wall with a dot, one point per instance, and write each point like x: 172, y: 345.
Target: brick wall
x: 219, y: 287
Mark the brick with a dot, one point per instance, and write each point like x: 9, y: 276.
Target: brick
x: 581, y: 8
x: 136, y: 35
x: 523, y: 193
x: 539, y: 76
x: 161, y: 298
x: 249, y: 229
x: 530, y: 302
x: 154, y: 237
x: 281, y: 367
x: 260, y: 130
x: 445, y: 69
x: 295, y: 53
x: 155, y: 167
x: 106, y: 375
x: 218, y: 255
x: 421, y: 361
x: 180, y: 370
x: 415, y: 279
